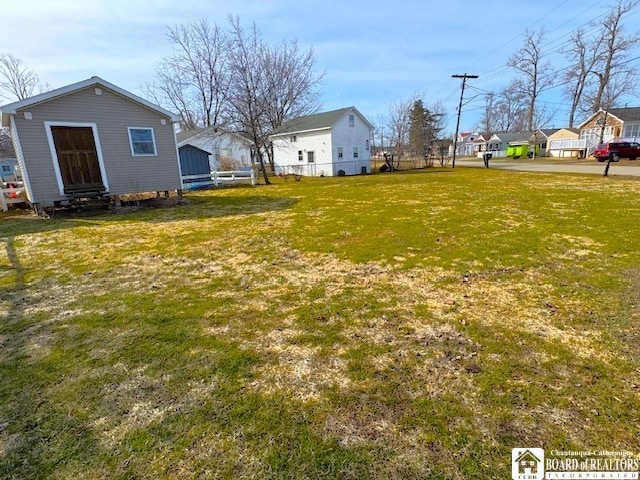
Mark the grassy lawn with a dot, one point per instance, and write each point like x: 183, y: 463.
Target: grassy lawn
x: 411, y: 325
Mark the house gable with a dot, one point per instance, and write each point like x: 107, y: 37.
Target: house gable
x: 324, y: 144
x: 96, y: 82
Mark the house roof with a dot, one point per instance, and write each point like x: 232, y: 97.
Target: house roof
x: 548, y: 131
x: 511, y: 136
x: 317, y: 121
x: 626, y: 114
x: 187, y: 136
x: 527, y: 455
x: 12, y: 108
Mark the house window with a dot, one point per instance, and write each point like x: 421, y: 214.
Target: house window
x: 311, y: 157
x: 352, y: 120
x: 142, y: 141
x: 632, y: 131
x: 367, y: 145
x: 294, y: 138
x: 6, y: 168
x: 300, y: 156
x: 340, y: 151
x: 355, y: 152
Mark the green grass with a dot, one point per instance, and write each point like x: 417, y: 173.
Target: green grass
x: 411, y: 325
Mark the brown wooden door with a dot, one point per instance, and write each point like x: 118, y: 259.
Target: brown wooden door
x: 78, y: 159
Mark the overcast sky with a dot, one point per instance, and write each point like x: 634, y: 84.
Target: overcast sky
x: 373, y: 52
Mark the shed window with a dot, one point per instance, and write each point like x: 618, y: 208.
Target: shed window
x: 142, y: 141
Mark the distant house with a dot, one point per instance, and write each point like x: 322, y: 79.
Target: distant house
x: 329, y: 143
x: 565, y: 143
x: 622, y: 124
x: 613, y: 124
x: 9, y: 170
x: 499, y: 142
x: 92, y: 138
x: 226, y: 149
x: 541, y: 140
x: 471, y: 144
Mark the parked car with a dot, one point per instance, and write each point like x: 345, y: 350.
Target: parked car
x: 630, y: 150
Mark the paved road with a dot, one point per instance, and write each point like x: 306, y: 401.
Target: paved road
x: 531, y: 166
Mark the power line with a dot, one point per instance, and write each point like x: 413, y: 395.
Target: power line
x: 455, y: 139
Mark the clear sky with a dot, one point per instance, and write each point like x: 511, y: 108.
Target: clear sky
x: 373, y: 52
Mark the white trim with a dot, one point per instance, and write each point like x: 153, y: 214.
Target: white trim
x: 178, y: 157
x: 153, y: 138
x: 54, y: 154
x: 74, y: 87
x: 20, y: 155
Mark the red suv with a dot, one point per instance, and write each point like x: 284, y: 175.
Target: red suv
x: 630, y: 150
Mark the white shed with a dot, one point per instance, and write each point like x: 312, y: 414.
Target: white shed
x: 329, y: 143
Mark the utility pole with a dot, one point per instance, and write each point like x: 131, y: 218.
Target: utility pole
x: 455, y: 140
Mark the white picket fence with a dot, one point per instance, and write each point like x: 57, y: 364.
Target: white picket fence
x: 231, y: 177
x: 11, y: 195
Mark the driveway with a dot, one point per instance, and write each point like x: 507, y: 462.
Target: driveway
x: 544, y: 165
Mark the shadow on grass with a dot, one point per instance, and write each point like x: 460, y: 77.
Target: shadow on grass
x: 33, y: 426
x: 194, y: 207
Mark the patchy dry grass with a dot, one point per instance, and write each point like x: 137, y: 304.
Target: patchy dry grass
x: 415, y: 325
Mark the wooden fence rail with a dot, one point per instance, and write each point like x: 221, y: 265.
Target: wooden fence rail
x: 231, y: 177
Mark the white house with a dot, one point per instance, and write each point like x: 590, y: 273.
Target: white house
x: 227, y: 149
x: 329, y: 143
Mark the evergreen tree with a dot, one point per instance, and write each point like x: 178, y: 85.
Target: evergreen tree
x: 419, y: 131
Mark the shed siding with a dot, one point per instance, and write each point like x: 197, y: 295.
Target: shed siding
x: 112, y: 114
x: 193, y: 161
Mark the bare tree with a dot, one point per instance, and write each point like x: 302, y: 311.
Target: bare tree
x: 583, y: 55
x: 17, y: 81
x: 488, y: 122
x: 289, y: 85
x: 269, y: 86
x: 399, y: 124
x: 510, y: 110
x: 614, y: 75
x: 245, y: 94
x: 6, y: 145
x: 535, y: 74
x: 194, y: 80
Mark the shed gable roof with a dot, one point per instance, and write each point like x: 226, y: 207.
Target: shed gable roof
x: 12, y: 108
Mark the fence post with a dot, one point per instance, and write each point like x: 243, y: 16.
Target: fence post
x: 3, y: 202
x: 253, y: 177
